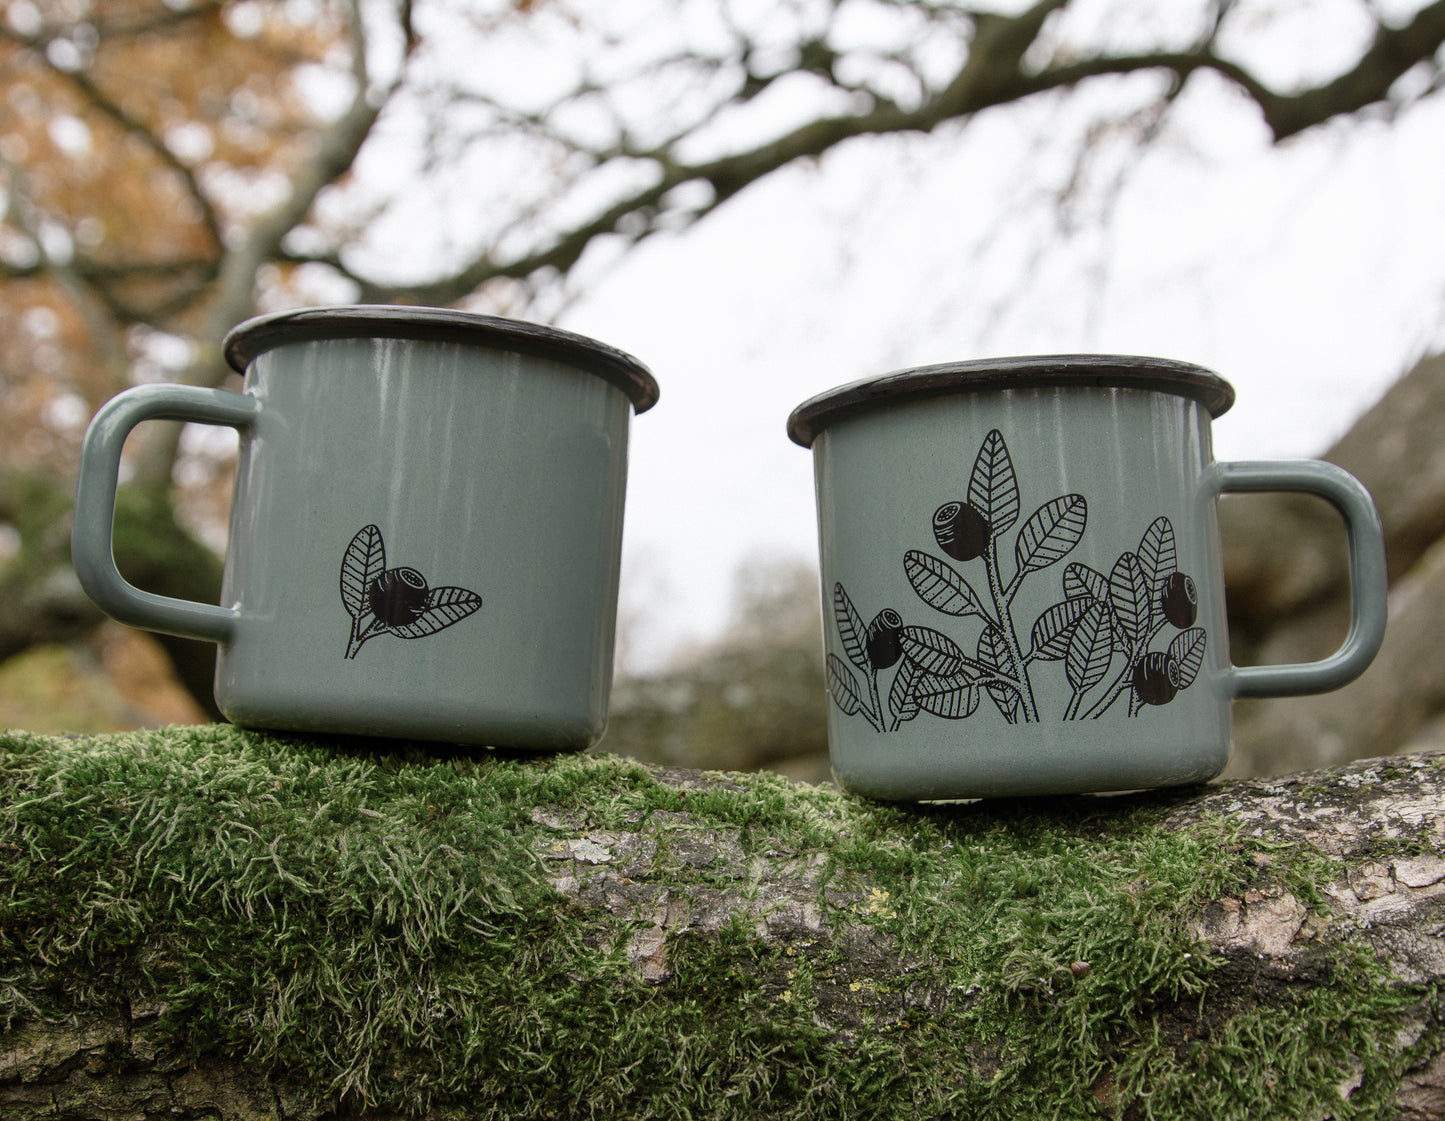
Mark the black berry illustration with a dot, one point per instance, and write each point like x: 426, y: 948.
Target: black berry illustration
x: 884, y: 643
x: 398, y: 596
x: 394, y: 601
x: 1180, y: 601
x: 1154, y: 679
x: 1102, y: 634
x: 960, y: 530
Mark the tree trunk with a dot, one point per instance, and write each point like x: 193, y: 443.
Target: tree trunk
x: 41, y: 601
x: 220, y: 924
x: 1287, y: 584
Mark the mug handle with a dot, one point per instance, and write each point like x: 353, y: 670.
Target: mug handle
x: 92, y: 526
x: 1368, y: 578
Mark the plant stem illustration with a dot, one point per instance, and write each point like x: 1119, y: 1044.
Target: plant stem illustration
x: 394, y: 601
x: 1103, y: 625
x: 971, y: 530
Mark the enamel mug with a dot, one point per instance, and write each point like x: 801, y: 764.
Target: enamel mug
x: 1023, y: 590
x: 425, y: 531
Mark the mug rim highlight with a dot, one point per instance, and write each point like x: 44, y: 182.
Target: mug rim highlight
x: 247, y: 341
x: 1112, y: 371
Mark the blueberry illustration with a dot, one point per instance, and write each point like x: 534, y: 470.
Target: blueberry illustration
x: 960, y: 530
x: 884, y: 648
x: 1153, y: 682
x: 1180, y: 601
x: 398, y: 596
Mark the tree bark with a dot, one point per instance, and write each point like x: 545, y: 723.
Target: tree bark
x: 1396, y: 451
x: 1337, y: 875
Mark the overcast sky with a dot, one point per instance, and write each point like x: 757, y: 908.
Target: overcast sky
x: 1309, y: 276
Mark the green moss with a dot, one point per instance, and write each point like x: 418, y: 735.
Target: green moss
x: 383, y: 929
x: 1286, y: 1060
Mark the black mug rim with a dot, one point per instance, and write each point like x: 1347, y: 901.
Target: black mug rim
x: 247, y: 341
x: 982, y: 375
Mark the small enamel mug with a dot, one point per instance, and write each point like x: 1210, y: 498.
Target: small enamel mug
x: 1022, y: 582
x: 425, y: 531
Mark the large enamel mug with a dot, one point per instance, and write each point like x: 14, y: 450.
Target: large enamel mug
x: 425, y: 531
x: 1022, y: 582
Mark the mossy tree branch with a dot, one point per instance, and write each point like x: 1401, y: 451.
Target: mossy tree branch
x: 223, y: 924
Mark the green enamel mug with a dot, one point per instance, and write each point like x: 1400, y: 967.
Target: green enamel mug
x: 1023, y: 590
x: 425, y: 531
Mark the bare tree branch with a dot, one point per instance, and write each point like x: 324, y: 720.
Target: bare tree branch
x: 108, y: 25
x: 234, y: 292
x: 1394, y: 51
x: 996, y: 71
x: 137, y: 128
x: 98, y: 316
x: 334, y: 152
x: 92, y: 94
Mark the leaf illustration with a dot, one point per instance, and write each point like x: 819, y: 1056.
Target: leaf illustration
x: 900, y: 697
x: 952, y: 698
x: 1129, y: 592
x: 1091, y: 647
x: 851, y: 629
x: 363, y: 561
x: 1159, y: 558
x: 935, y: 653
x: 843, y: 686
x: 444, y: 606
x: 1051, y: 531
x: 1186, y: 655
x: 1053, y: 629
x: 993, y: 653
x: 992, y: 488
x: 1081, y: 580
x: 1156, y: 550
x: 939, y: 585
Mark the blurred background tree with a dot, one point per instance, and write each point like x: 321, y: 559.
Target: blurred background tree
x: 170, y: 167
x: 751, y: 699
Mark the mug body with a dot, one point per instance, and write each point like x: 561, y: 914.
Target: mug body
x: 1022, y: 586
x: 426, y: 530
